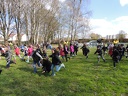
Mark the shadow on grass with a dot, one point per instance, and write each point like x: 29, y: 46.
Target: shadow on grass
x: 31, y: 71
x: 44, y: 74
x: 26, y: 69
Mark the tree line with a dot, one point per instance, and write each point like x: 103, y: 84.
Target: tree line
x: 44, y: 20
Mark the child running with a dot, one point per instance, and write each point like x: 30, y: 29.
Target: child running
x: 99, y: 52
x: 115, y: 56
x: 25, y: 53
x: 85, y: 50
x: 56, y: 62
x: 8, y: 57
x: 29, y: 52
x: 0, y: 71
x: 37, y: 56
x: 62, y: 54
x: 126, y: 51
x: 17, y: 51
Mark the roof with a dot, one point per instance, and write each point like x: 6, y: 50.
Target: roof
x: 11, y: 35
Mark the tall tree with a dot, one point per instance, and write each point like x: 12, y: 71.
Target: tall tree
x: 121, y: 35
x: 6, y: 18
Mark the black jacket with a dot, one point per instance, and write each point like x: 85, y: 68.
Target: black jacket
x: 126, y: 49
x: 35, y: 57
x: 98, y: 51
x: 115, y: 54
x: 55, y: 59
x: 66, y: 49
x: 76, y: 47
x: 46, y: 65
x: 104, y: 48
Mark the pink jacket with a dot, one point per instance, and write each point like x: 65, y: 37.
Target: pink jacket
x: 62, y: 52
x: 30, y: 49
x: 71, y: 48
x: 17, y: 51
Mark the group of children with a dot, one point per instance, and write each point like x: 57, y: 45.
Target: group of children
x: 116, y: 52
x: 40, y: 57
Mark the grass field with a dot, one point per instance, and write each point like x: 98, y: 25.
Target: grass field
x: 81, y: 77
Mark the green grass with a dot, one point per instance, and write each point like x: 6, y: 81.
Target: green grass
x: 81, y: 77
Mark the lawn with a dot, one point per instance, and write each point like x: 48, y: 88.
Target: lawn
x: 81, y: 77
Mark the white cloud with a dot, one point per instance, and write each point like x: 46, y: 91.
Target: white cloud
x: 61, y: 0
x: 123, y: 2
x: 105, y: 27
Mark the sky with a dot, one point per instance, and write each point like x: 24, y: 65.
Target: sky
x: 109, y: 16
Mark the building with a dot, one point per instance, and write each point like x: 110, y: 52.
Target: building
x: 12, y: 37
x: 1, y: 39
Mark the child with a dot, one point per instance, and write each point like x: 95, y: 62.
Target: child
x: 17, y: 51
x: 2, y: 50
x: 44, y: 54
x: 66, y: 51
x: 104, y: 48
x: 46, y: 65
x: 56, y: 62
x: 76, y: 49
x: 25, y: 52
x: 120, y: 49
x: 8, y: 56
x: 29, y: 52
x: 62, y: 53
x: 110, y: 49
x: 99, y: 52
x: 0, y: 71
x: 85, y: 51
x: 84, y: 45
x: 37, y: 56
x: 115, y: 56
x: 127, y: 51
x: 71, y: 50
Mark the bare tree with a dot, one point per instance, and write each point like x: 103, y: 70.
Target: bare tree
x: 121, y: 35
x: 76, y: 18
x: 6, y: 18
x: 95, y: 36
x: 42, y: 20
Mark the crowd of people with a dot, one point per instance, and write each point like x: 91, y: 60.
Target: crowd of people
x: 65, y: 51
x: 115, y: 51
x: 39, y: 56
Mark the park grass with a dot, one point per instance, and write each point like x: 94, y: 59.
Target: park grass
x: 81, y: 77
